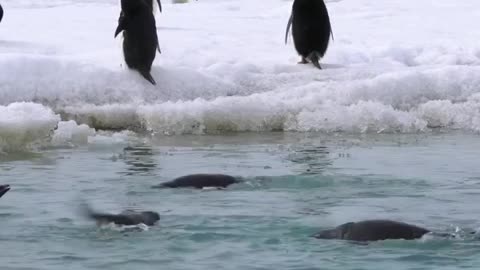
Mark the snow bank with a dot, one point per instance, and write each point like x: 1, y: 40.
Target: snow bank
x: 395, y: 66
x: 25, y: 124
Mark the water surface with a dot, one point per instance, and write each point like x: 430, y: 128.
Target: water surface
x: 296, y: 184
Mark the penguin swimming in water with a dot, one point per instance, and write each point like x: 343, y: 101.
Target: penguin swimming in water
x: 311, y: 30
x: 373, y: 230
x: 140, y: 40
x: 200, y: 181
x: 378, y: 230
x: 127, y: 217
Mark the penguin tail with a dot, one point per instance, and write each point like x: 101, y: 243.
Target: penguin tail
x: 148, y: 77
x: 315, y: 59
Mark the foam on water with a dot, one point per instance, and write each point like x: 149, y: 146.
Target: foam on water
x: 124, y: 228
x: 224, y: 68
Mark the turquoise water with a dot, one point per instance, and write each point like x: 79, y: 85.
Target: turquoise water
x: 296, y: 185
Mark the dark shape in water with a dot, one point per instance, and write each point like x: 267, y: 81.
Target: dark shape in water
x: 200, y: 181
x: 140, y: 40
x: 127, y: 217
x: 4, y: 189
x: 373, y: 230
x: 311, y: 30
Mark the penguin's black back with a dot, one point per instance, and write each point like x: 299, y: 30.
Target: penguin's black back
x: 140, y: 36
x: 311, y: 27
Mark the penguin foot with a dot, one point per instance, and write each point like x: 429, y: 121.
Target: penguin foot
x: 303, y: 61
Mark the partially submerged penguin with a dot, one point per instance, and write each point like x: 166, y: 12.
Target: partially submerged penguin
x: 140, y: 40
x: 200, y: 181
x: 4, y: 189
x: 311, y: 30
x: 374, y: 230
x: 127, y: 217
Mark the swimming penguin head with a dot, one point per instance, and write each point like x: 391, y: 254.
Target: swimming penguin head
x: 150, y: 217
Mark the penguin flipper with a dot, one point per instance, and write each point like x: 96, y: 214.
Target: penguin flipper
x: 289, y: 24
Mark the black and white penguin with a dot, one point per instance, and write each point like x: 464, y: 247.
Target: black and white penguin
x: 140, y: 40
x: 311, y: 30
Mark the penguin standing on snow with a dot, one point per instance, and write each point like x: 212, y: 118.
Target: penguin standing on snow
x: 140, y: 40
x: 150, y: 5
x: 311, y: 30
x: 1, y: 13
